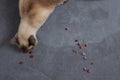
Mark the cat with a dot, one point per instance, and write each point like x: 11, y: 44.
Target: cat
x: 33, y: 14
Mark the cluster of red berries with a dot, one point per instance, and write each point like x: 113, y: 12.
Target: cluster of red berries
x: 30, y: 55
x: 82, y: 45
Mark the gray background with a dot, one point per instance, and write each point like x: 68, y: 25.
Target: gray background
x: 95, y: 21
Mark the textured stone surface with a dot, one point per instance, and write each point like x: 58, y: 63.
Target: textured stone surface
x: 95, y: 21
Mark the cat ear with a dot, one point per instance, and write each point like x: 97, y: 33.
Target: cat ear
x: 14, y: 40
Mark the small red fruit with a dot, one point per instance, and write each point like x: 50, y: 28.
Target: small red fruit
x: 80, y: 47
x: 92, y: 63
x: 76, y: 40
x: 21, y: 62
x: 84, y: 57
x: 85, y: 45
x: 66, y: 29
x: 78, y: 44
x: 89, y: 70
x: 31, y: 56
x: 30, y: 52
x: 75, y: 51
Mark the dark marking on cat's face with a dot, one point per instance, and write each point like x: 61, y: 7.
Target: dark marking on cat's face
x: 17, y: 41
x: 32, y: 40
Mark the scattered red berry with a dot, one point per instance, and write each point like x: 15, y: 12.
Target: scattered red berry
x: 66, y: 29
x: 31, y: 56
x: 78, y: 44
x: 76, y: 40
x: 89, y: 70
x: 85, y: 45
x: 75, y: 51
x: 30, y: 52
x: 20, y: 62
x: 84, y: 57
x: 92, y: 63
x: 80, y: 47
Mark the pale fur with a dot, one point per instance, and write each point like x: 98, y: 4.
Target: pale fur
x: 33, y: 14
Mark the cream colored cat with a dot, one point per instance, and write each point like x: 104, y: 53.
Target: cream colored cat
x: 33, y: 14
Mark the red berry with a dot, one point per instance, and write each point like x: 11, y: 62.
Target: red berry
x: 66, y: 28
x: 30, y: 52
x: 84, y: 57
x: 20, y: 62
x: 75, y: 51
x: 76, y: 40
x: 78, y: 44
x: 89, y: 70
x: 92, y: 63
x: 31, y: 56
x: 85, y: 45
x: 80, y: 47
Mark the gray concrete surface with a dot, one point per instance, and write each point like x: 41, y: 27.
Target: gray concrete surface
x: 95, y: 21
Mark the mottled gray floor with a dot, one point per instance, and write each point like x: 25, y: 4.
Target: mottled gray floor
x: 95, y: 21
